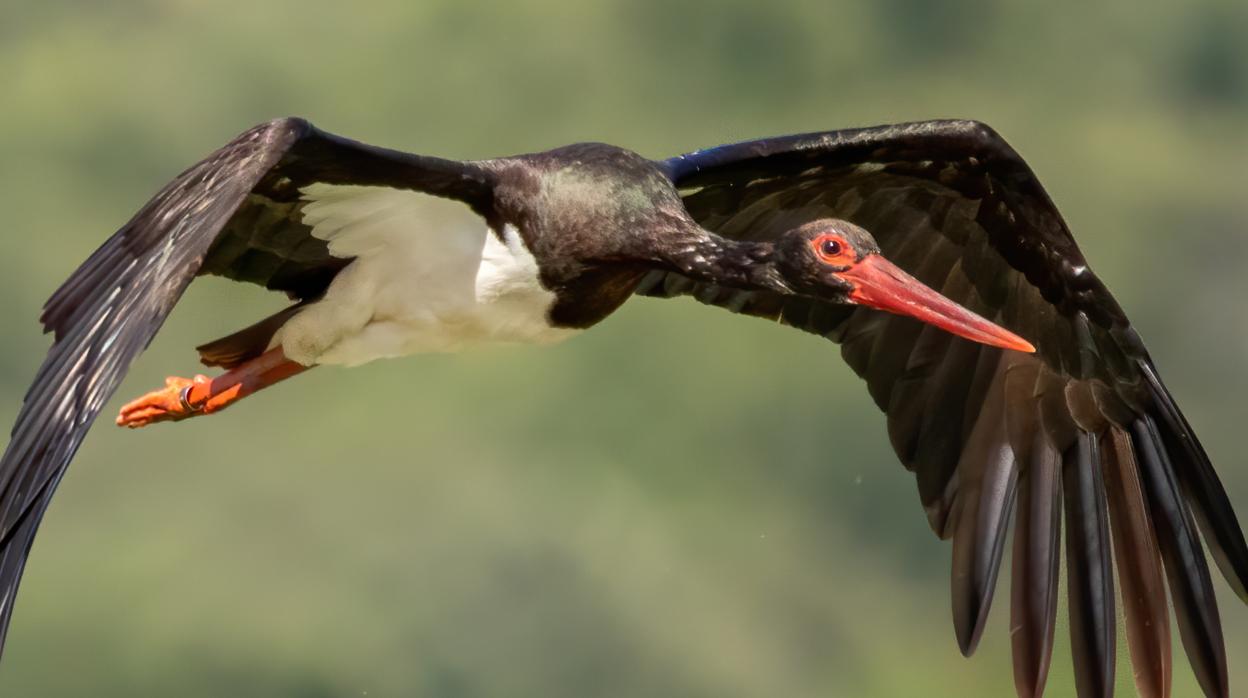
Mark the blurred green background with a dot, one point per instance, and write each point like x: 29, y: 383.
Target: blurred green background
x: 674, y: 504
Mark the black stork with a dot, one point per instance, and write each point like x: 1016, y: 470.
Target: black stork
x: 385, y: 253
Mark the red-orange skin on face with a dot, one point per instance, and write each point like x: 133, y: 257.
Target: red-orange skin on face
x: 845, y: 257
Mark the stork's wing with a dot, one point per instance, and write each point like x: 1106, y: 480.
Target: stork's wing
x: 1085, y: 425
x: 234, y: 214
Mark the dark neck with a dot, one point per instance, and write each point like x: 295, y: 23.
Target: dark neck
x: 706, y: 257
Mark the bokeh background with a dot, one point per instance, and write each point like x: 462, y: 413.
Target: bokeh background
x: 678, y: 503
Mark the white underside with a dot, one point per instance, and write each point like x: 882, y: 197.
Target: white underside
x: 428, y: 276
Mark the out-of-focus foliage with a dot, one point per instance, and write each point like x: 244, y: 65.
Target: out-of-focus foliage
x: 679, y: 503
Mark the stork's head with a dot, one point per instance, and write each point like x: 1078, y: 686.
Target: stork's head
x: 837, y: 261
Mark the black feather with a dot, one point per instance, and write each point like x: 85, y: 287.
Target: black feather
x: 1139, y: 567
x: 1204, y: 490
x: 247, y: 343
x: 910, y: 393
x: 1195, y: 606
x: 891, y: 351
x: 953, y: 406
x: 1037, y: 538
x: 984, y: 500
x: 1090, y: 572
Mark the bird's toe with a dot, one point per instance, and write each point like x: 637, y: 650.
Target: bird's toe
x: 165, y: 404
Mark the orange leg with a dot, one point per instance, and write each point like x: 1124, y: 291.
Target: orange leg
x: 183, y: 398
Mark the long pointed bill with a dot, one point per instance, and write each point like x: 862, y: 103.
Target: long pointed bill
x: 878, y: 283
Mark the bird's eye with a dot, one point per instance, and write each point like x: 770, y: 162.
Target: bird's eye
x: 831, y: 249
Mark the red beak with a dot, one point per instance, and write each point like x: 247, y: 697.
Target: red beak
x: 878, y: 283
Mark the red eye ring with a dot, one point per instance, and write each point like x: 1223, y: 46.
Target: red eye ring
x: 831, y: 249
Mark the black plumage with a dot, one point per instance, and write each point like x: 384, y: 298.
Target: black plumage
x: 1139, y: 563
x: 1090, y: 576
x: 984, y: 500
x: 1037, y: 530
x: 1195, y: 606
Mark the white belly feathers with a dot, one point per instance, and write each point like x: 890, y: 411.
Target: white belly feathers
x: 428, y: 276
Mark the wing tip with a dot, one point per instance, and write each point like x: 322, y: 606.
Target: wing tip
x: 1195, y: 605
x: 1202, y: 489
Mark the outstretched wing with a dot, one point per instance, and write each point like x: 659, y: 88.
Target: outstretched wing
x: 234, y: 214
x: 1085, y: 425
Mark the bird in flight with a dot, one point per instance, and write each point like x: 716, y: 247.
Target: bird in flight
x: 1012, y: 381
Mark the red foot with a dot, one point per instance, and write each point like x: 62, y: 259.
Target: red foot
x: 164, y: 405
x: 204, y: 395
